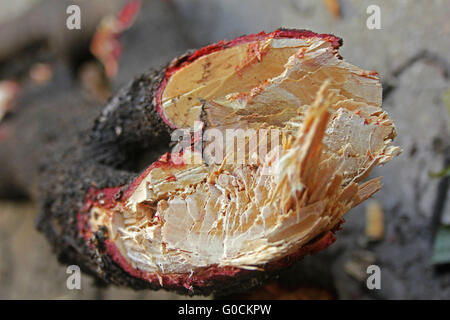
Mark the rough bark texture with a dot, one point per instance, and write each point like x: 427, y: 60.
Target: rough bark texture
x: 90, y: 154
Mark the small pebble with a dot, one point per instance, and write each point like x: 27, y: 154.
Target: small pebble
x: 374, y: 221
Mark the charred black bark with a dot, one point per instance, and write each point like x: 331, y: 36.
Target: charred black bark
x: 128, y: 125
x: 61, y: 145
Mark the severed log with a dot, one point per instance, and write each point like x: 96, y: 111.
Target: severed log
x: 200, y: 222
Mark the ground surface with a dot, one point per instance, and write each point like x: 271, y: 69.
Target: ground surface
x: 411, y: 54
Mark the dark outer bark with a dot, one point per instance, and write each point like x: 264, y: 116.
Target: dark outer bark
x: 58, y: 148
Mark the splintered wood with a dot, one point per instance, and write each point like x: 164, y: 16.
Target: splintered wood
x: 183, y: 217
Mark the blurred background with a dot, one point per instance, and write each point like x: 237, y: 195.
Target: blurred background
x: 404, y: 229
